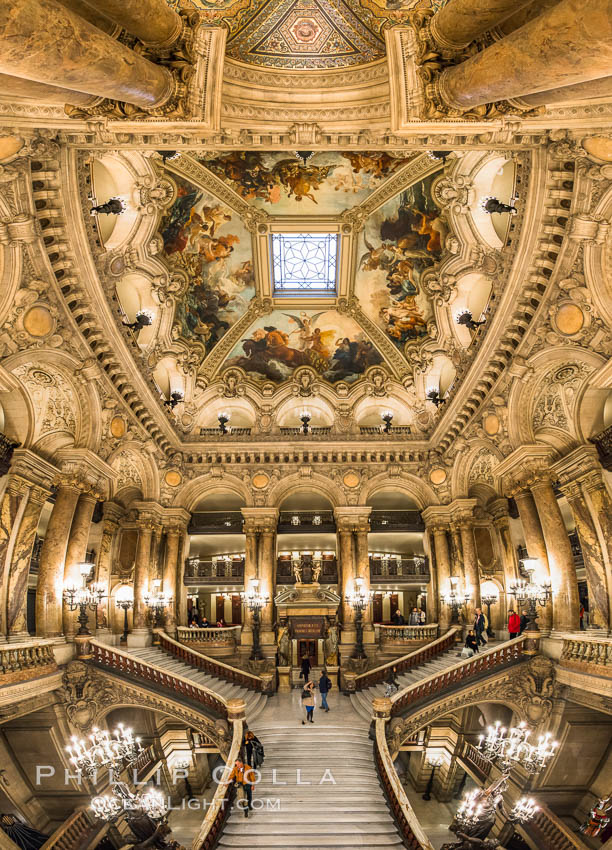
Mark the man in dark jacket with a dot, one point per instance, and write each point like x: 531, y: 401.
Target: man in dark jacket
x: 305, y: 668
x: 524, y: 621
x: 398, y: 618
x: 325, y: 686
x: 479, y: 627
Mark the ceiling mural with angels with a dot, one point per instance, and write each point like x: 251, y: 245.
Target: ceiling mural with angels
x: 400, y: 241
x: 208, y: 244
x: 335, y: 346
x: 327, y: 183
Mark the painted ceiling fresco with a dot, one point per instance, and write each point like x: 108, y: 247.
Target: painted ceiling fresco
x: 399, y: 242
x: 332, y: 344
x: 207, y: 242
x: 305, y: 34
x: 282, y: 184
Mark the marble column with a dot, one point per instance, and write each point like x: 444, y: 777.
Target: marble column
x: 470, y: 566
x: 433, y: 591
x: 18, y: 87
x: 171, y: 572
x: 112, y: 514
x: 459, y: 22
x: 595, y: 569
x: 569, y: 43
x: 362, y: 570
x: 152, y: 21
x: 90, y: 13
x: 76, y: 552
x: 52, y: 557
x: 251, y: 541
x: 601, y: 504
x: 501, y: 521
x: 267, y: 573
x: 567, y: 94
x: 141, y: 572
x: 566, y: 604
x: 443, y: 565
x: 19, y: 570
x: 9, y: 507
x: 456, y: 553
x: 535, y: 545
x: 346, y: 576
x: 43, y: 41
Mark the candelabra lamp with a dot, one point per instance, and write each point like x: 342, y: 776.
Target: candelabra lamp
x: 144, y: 318
x: 434, y: 762
x: 305, y: 416
x: 455, y: 600
x: 387, y: 418
x: 176, y: 397
x: 489, y: 599
x: 529, y: 593
x: 433, y: 395
x: 157, y: 602
x: 255, y: 601
x: 114, y: 206
x: 490, y: 204
x: 359, y: 599
x: 224, y: 418
x: 84, y: 598
x: 124, y: 600
x: 466, y: 318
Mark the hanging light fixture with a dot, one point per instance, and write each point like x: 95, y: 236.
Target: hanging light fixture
x: 433, y: 395
x: 490, y: 204
x: 143, y: 319
x: 510, y: 747
x: 224, y: 417
x: 530, y: 593
x: 304, y: 156
x: 176, y: 397
x: 387, y: 418
x: 305, y: 416
x: 465, y: 318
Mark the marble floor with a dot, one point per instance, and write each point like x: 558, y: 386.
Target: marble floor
x: 433, y: 816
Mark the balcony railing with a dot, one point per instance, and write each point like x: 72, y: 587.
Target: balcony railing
x: 321, y: 431
x: 216, y: 522
x: 390, y: 569
x: 26, y: 661
x: 589, y: 651
x: 407, y: 634
x: 548, y: 830
x: 285, y: 573
x: 292, y: 522
x: 396, y: 521
x: 207, y: 571
x: 603, y: 444
x: 227, y: 636
x: 235, y: 432
x: 7, y: 446
x: 396, y: 431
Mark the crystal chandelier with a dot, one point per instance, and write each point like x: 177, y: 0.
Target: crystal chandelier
x: 113, y: 752
x: 523, y: 810
x: 359, y: 599
x: 510, y: 747
x: 255, y: 600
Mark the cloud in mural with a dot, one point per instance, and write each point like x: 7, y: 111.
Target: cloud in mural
x: 209, y: 243
x: 332, y: 344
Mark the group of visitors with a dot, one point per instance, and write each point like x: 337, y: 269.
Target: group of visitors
x: 417, y: 617
x: 516, y: 624
x: 308, y: 691
x: 195, y: 620
x: 243, y: 774
x: 476, y: 637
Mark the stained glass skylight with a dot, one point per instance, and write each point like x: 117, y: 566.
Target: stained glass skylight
x: 304, y: 263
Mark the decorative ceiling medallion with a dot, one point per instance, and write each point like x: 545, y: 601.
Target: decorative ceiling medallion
x: 351, y: 479
x: 306, y: 34
x: 260, y: 480
x: 491, y: 424
x: 569, y: 319
x: 38, y: 321
x: 117, y: 426
x: 173, y: 478
x: 437, y: 475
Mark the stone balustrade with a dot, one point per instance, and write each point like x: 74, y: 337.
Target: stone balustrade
x: 584, y: 650
x: 407, y: 822
x: 71, y: 833
x: 228, y: 636
x: 23, y: 661
x: 484, y: 662
x: 547, y: 830
x: 475, y: 759
x: 407, y: 634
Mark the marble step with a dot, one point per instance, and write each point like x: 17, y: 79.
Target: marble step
x: 259, y: 827
x: 311, y: 839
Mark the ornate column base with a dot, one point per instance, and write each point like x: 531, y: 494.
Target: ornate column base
x: 139, y: 638
x: 195, y: 65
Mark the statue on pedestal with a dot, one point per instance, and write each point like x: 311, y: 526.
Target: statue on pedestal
x: 330, y: 645
x: 284, y: 645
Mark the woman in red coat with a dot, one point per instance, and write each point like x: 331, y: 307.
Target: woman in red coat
x: 514, y: 624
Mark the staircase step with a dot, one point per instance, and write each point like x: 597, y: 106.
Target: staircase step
x: 259, y: 827
x: 321, y: 839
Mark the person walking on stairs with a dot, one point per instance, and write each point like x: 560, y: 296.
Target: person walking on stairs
x: 480, y: 624
x: 391, y: 682
x: 324, y: 688
x: 242, y: 777
x: 309, y: 701
x: 253, y: 750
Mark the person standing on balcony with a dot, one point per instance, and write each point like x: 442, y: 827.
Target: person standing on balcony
x: 415, y: 617
x: 422, y: 617
x: 514, y: 624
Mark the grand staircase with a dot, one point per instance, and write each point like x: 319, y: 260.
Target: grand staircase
x: 255, y: 701
x: 362, y: 700
x: 350, y: 813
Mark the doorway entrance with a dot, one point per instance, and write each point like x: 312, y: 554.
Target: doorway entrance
x: 309, y: 648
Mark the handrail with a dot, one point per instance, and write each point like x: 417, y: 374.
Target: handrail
x: 406, y: 662
x: 122, y: 662
x: 492, y: 659
x: 211, y: 665
x: 472, y: 756
x: 68, y: 833
x: 221, y: 803
x: 557, y: 834
x: 407, y: 822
